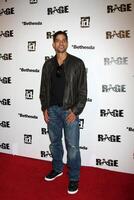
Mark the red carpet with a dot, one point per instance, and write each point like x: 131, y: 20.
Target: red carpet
x: 22, y: 179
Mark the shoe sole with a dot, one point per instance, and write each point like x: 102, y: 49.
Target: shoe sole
x: 48, y: 179
x: 72, y: 192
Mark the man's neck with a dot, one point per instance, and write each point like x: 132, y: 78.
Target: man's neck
x: 61, y: 57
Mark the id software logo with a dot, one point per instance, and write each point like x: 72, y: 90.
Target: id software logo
x: 85, y: 22
x: 29, y: 94
x: 27, y: 139
x: 31, y: 46
x: 81, y: 123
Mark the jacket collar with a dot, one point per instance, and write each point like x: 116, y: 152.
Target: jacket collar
x: 65, y: 61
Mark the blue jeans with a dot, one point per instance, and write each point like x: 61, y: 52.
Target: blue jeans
x: 57, y: 122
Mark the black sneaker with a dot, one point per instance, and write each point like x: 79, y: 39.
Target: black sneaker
x: 73, y: 187
x: 53, y: 175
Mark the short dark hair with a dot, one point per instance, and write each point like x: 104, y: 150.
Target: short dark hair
x: 59, y: 33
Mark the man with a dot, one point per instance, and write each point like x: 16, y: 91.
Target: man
x: 63, y: 95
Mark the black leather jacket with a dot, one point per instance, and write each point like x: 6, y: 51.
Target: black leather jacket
x: 75, y: 94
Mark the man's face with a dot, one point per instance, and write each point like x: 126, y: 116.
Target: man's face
x: 60, y: 45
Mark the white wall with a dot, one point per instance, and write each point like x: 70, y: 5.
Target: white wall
x: 115, y: 151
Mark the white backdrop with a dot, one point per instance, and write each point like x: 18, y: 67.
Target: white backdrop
x: 101, y: 33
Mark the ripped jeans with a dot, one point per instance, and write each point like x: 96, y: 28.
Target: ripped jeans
x: 57, y: 122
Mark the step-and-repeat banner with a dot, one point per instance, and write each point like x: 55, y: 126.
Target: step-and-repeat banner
x: 101, y: 33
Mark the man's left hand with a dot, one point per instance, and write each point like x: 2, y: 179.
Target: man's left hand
x: 71, y: 117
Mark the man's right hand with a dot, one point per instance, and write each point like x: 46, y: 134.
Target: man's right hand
x: 46, y: 117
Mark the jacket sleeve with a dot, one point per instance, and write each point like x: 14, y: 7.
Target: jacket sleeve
x: 43, y: 92
x: 82, y: 90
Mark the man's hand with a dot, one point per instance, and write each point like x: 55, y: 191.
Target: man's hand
x: 71, y: 117
x: 46, y: 117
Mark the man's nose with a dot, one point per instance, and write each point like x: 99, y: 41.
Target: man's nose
x: 61, y: 42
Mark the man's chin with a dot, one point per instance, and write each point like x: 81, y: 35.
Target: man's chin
x: 61, y: 51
